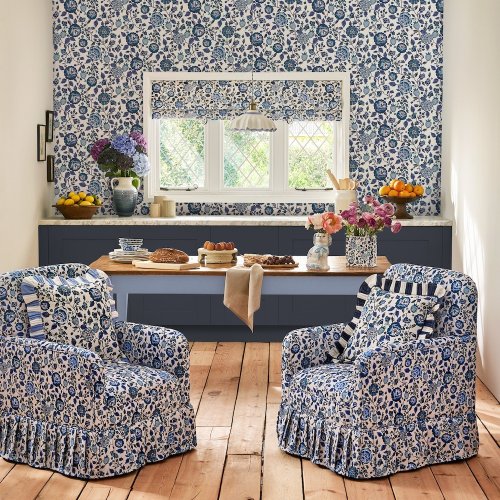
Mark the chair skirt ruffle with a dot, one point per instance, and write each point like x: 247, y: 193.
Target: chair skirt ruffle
x: 97, y: 453
x: 362, y: 453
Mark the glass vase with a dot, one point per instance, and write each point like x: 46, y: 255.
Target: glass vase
x: 361, y: 251
x: 317, y: 257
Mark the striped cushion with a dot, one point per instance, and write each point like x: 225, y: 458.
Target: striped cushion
x: 391, y: 311
x: 77, y: 311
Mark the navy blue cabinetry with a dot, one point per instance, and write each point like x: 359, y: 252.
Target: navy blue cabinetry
x: 205, y: 317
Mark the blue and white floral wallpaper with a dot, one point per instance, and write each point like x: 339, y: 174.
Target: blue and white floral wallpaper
x: 393, y: 49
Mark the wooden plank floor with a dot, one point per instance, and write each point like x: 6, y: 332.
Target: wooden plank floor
x: 235, y: 390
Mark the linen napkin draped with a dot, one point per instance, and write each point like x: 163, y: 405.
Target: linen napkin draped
x: 242, y: 292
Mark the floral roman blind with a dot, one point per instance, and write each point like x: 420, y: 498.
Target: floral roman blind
x: 224, y: 99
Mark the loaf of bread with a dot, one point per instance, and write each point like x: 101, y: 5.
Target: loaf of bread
x: 169, y: 256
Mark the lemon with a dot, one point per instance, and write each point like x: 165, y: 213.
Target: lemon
x: 82, y: 195
x: 61, y: 201
x: 89, y: 198
x: 98, y: 201
x: 71, y: 194
x: 85, y: 203
x: 69, y: 202
x: 75, y: 198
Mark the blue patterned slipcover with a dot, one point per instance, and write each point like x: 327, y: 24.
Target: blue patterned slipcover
x: 396, y: 407
x: 65, y: 408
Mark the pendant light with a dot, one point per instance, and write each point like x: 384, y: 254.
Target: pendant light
x: 252, y: 120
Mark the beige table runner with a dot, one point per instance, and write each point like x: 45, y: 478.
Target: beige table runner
x: 242, y: 292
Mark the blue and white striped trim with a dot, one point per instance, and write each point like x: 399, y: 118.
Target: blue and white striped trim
x: 394, y: 286
x: 29, y: 291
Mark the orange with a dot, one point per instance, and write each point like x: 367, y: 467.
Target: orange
x: 399, y: 185
x: 413, y: 195
x: 384, y: 190
x: 404, y: 194
x: 393, y: 192
x: 391, y: 184
x: 409, y: 188
x: 419, y: 190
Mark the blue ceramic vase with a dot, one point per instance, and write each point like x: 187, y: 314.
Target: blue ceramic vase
x: 124, y: 196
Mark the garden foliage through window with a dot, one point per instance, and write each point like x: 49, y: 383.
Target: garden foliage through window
x: 298, y: 154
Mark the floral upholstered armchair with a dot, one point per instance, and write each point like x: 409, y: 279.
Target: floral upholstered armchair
x: 396, y: 407
x: 65, y: 408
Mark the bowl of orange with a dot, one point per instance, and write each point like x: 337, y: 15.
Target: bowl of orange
x: 401, y: 193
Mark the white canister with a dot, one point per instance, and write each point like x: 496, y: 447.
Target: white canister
x: 168, y: 208
x: 154, y: 210
x: 343, y: 198
x: 159, y: 199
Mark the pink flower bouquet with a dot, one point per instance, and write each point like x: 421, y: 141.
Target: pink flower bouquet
x: 327, y: 222
x: 372, y: 220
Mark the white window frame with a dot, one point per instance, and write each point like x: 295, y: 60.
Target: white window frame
x: 214, y: 189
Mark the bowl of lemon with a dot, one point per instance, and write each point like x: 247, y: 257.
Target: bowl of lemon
x: 400, y: 194
x: 78, y: 205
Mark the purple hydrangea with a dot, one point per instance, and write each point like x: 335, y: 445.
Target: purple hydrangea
x: 139, y: 139
x: 124, y: 144
x: 98, y: 147
x: 141, y: 164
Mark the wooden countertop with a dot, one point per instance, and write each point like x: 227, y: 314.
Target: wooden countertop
x: 337, y: 268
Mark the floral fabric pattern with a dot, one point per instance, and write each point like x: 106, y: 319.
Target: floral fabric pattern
x: 398, y: 406
x: 13, y: 311
x: 225, y: 99
x: 76, y: 311
x: 214, y: 208
x: 388, y: 316
x: 393, y: 51
x: 66, y: 409
x: 361, y: 251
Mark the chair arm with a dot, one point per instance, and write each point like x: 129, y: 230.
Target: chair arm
x: 50, y: 382
x: 156, y: 347
x: 308, y: 347
x: 421, y: 380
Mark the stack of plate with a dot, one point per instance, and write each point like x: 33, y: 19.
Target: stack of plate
x: 127, y: 256
x: 130, y: 250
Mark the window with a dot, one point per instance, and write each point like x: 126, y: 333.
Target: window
x: 212, y: 159
x: 182, y: 153
x: 311, y: 150
x: 197, y: 161
x: 247, y: 159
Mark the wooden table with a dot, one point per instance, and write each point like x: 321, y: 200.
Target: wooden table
x: 209, y: 279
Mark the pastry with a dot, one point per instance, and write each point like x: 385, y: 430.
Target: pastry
x: 249, y: 259
x: 169, y: 256
x: 275, y: 260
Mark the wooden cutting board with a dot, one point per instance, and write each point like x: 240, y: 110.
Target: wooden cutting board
x: 147, y: 264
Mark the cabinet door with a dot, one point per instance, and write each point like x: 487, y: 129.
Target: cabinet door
x: 82, y: 243
x: 305, y: 310
x: 169, y: 310
x: 187, y: 239
x: 416, y: 245
x: 266, y: 315
x: 251, y: 239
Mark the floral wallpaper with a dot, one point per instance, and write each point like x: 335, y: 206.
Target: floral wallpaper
x: 393, y: 50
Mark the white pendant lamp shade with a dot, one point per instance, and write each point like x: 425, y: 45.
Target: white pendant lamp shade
x: 252, y: 121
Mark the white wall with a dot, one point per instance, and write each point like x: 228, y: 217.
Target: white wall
x: 25, y: 94
x: 471, y: 161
